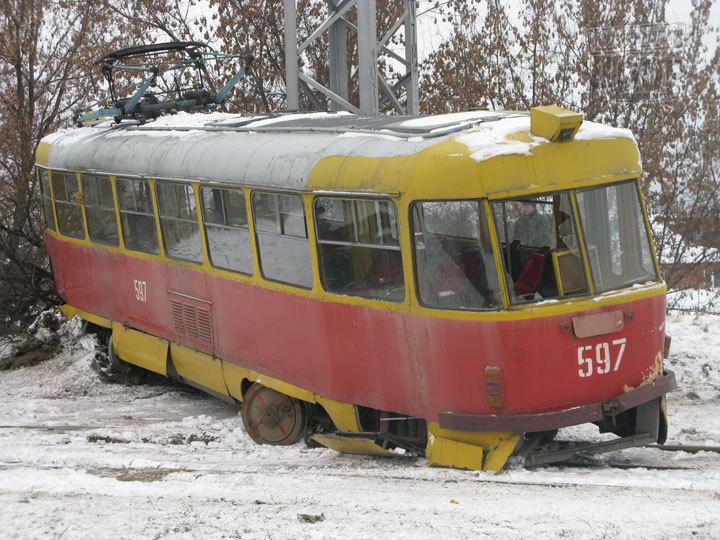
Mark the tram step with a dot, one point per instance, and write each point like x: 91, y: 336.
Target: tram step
x: 353, y: 445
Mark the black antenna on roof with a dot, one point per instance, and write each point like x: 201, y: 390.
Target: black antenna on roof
x: 176, y: 57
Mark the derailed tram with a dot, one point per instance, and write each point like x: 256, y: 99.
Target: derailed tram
x: 459, y: 286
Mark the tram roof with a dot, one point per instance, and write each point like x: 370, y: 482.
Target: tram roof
x: 283, y: 151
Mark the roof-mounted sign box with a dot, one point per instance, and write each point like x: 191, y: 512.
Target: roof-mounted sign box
x: 554, y: 123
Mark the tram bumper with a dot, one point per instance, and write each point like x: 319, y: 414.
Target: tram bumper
x: 485, y: 442
x: 546, y: 421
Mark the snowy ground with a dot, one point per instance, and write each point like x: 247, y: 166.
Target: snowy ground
x: 79, y: 458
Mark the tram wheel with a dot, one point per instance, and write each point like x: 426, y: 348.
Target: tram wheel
x: 270, y: 417
x: 113, y: 369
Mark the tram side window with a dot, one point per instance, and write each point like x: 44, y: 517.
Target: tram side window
x: 359, y: 248
x: 453, y: 256
x: 226, y: 227
x: 69, y: 212
x: 178, y: 221
x: 137, y: 218
x: 44, y: 181
x: 616, y: 236
x: 100, y: 209
x: 282, y: 238
x: 539, y: 247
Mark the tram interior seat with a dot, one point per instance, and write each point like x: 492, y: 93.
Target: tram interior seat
x: 459, y: 279
x: 528, y: 282
x: 531, y: 270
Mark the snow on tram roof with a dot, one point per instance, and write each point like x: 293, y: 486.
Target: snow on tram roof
x: 280, y: 150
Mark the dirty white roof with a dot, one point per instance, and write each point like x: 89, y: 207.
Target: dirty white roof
x: 280, y: 150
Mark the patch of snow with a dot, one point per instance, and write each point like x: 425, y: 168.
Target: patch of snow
x: 439, y: 120
x: 506, y: 136
x: 69, y: 136
x: 695, y: 359
x: 198, y: 119
x: 297, y: 116
x: 592, y: 131
x: 158, y: 134
x: 512, y: 136
x: 695, y: 300
x: 378, y: 135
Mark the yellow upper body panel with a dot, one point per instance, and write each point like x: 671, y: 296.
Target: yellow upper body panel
x: 447, y: 170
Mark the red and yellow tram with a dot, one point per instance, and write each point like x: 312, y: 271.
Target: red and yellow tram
x: 459, y: 284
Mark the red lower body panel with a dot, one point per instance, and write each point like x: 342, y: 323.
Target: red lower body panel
x: 393, y: 361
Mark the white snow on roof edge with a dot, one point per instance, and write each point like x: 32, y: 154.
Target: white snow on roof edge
x: 593, y: 131
x: 511, y: 136
x: 494, y: 138
x: 449, y: 119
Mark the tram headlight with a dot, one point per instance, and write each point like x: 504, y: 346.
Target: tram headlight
x: 554, y: 123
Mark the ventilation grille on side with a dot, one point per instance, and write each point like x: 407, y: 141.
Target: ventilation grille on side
x: 192, y: 321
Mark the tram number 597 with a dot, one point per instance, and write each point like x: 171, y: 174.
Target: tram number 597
x: 140, y: 290
x: 606, y: 358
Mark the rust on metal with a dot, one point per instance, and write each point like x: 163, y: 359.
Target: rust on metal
x: 666, y: 346
x: 646, y: 392
x: 521, y: 423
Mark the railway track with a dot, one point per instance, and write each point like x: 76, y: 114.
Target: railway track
x: 689, y: 448
x: 623, y: 466
x: 510, y: 477
x: 582, y: 462
x: 590, y: 461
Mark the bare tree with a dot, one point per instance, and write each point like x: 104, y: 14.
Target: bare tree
x: 45, y: 58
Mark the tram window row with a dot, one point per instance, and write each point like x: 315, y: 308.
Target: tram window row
x: 358, y: 242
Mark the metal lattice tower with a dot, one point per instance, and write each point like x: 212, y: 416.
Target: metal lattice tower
x: 371, y: 83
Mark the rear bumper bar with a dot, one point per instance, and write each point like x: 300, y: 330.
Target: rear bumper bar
x: 582, y: 414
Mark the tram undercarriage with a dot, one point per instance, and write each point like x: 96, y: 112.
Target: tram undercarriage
x: 277, y: 413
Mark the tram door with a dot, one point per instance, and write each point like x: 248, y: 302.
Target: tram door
x: 189, y: 306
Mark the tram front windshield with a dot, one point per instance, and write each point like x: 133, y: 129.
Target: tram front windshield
x: 616, y: 236
x: 540, y: 243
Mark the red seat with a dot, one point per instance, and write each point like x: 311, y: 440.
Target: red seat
x: 529, y: 279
